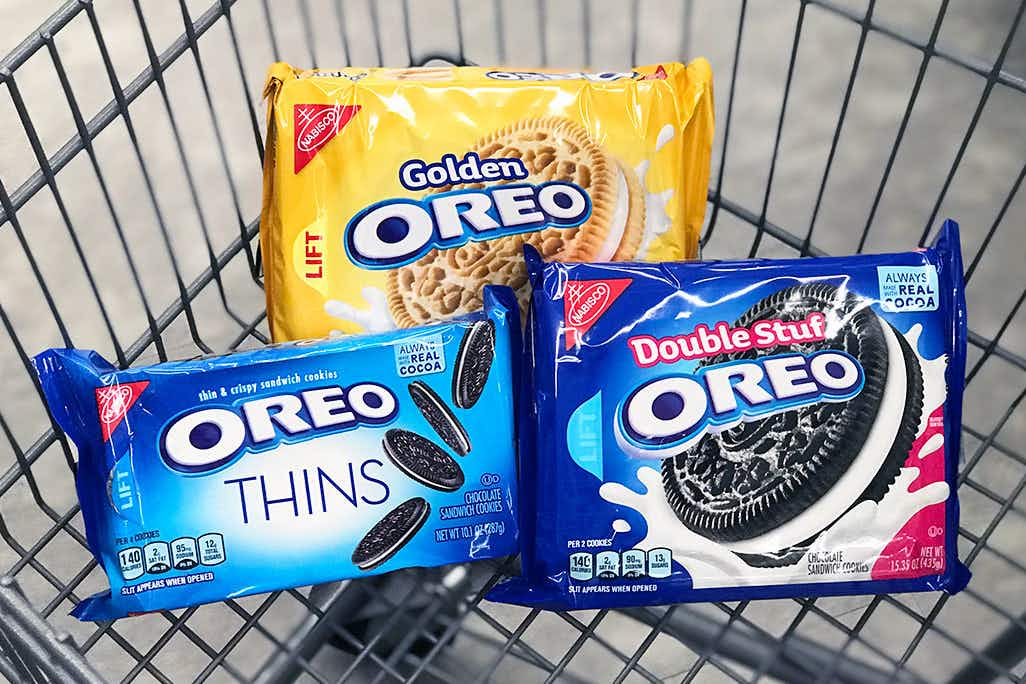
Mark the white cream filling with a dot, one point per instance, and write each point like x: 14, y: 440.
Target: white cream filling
x: 619, y: 222
x: 859, y: 475
x: 457, y: 429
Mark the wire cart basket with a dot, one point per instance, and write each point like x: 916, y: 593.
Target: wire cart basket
x: 130, y: 146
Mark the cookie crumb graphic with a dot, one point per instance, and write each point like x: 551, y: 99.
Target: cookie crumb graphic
x: 473, y: 362
x: 422, y: 460
x: 391, y: 533
x: 440, y: 417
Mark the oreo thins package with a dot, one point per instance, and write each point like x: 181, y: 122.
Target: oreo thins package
x: 293, y: 464
x: 746, y: 429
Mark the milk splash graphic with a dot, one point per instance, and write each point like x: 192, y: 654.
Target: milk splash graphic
x: 657, y: 221
x: 376, y: 318
x: 863, y: 533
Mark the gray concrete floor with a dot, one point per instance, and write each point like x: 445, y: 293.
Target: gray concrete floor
x: 940, y: 120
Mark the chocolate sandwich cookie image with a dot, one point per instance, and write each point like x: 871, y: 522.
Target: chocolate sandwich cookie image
x: 473, y: 363
x: 422, y: 460
x: 391, y: 533
x: 767, y: 487
x: 448, y: 282
x: 440, y: 417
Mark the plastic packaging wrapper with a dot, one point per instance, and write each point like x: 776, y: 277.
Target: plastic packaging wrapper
x: 742, y: 429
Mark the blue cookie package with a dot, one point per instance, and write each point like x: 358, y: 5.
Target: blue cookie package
x: 293, y: 464
x: 741, y: 429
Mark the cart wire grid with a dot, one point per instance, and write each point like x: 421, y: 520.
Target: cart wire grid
x: 130, y: 181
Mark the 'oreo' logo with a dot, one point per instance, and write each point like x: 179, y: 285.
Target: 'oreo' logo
x: 677, y: 409
x: 204, y: 440
x: 399, y: 231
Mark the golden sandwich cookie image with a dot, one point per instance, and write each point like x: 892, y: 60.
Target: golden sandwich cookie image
x: 447, y: 282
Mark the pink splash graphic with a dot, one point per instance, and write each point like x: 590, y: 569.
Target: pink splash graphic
x: 918, y: 549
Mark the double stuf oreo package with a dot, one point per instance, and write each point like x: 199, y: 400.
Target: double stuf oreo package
x: 737, y: 430
x: 391, y: 196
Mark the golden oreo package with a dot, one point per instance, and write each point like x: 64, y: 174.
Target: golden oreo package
x: 392, y: 196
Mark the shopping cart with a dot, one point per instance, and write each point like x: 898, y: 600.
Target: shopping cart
x: 129, y: 190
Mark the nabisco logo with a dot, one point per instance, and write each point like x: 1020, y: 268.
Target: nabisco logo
x: 316, y: 130
x: 315, y: 125
x: 113, y: 402
x: 588, y: 304
x: 584, y: 302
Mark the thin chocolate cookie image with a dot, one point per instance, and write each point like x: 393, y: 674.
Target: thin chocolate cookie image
x: 440, y: 417
x: 766, y: 488
x: 422, y: 460
x: 473, y: 362
x: 391, y: 533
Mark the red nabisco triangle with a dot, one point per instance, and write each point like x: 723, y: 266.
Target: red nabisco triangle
x: 658, y: 75
x: 315, y: 125
x: 113, y: 402
x: 584, y: 302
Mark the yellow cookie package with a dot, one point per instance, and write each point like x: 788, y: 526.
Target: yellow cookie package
x: 391, y: 196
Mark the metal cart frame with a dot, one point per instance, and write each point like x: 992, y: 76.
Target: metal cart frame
x: 404, y: 626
